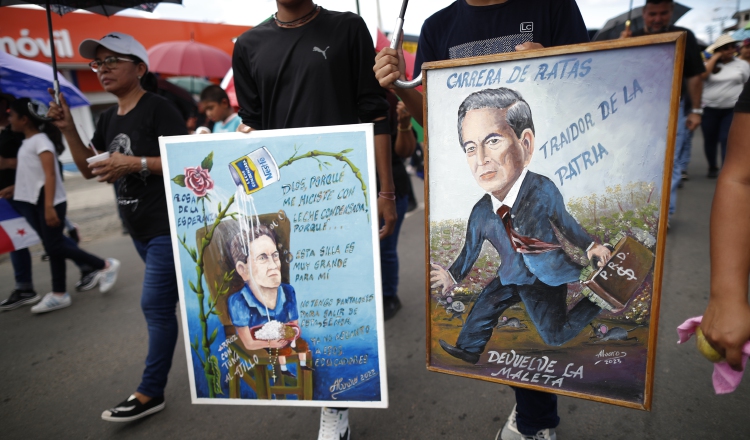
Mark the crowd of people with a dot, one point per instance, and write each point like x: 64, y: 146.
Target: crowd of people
x: 276, y: 88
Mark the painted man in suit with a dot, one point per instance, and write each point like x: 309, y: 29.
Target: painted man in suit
x: 517, y: 215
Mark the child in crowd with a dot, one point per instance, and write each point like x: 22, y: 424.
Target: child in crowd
x: 40, y: 197
x: 216, y: 103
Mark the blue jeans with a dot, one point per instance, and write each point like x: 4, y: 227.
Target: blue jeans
x: 536, y: 410
x: 388, y: 251
x: 158, y: 301
x: 56, y: 244
x: 715, y: 125
x: 21, y: 260
x: 682, y: 146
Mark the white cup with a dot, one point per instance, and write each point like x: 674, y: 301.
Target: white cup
x: 202, y: 130
x: 98, y: 158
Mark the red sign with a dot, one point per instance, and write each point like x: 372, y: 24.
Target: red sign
x: 23, y: 33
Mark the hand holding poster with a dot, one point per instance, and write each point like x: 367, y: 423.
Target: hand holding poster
x: 547, y: 213
x: 276, y: 241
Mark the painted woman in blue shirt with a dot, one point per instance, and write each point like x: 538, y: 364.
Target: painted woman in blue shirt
x: 264, y: 297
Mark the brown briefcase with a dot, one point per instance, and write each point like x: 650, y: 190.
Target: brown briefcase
x: 612, y: 286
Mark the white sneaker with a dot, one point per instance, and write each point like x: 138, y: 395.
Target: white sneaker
x: 334, y: 424
x: 108, y: 276
x: 52, y: 302
x: 510, y: 431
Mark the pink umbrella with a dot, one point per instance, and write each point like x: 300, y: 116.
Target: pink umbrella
x: 189, y: 58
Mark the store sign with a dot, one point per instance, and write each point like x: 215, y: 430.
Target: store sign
x: 23, y: 33
x: 30, y: 45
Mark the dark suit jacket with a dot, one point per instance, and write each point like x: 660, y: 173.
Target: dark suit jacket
x: 539, y: 206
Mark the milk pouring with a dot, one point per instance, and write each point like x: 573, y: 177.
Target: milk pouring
x: 254, y: 171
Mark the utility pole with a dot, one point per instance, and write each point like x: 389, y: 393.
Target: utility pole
x: 710, y: 32
x: 359, y: 13
x: 380, y: 20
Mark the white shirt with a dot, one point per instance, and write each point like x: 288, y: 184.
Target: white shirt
x: 30, y: 174
x: 510, y: 198
x: 721, y: 90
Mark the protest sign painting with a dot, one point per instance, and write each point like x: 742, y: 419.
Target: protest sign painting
x: 276, y: 242
x: 547, y: 195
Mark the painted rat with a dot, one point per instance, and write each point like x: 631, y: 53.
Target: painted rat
x: 511, y: 323
x: 603, y: 333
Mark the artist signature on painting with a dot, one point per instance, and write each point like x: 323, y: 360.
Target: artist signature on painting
x: 610, y: 357
x: 340, y: 385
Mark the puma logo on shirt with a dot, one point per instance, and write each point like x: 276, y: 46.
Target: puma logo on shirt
x: 317, y: 49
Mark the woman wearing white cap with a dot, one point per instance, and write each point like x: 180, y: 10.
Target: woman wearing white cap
x: 723, y: 81
x: 130, y: 131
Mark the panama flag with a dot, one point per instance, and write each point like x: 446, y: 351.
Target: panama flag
x: 15, y: 232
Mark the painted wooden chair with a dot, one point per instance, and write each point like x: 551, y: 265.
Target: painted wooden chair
x: 255, y: 367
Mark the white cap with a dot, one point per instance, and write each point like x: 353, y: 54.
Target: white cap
x: 116, y: 42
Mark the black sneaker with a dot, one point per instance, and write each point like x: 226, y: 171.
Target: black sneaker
x: 391, y: 306
x: 18, y: 298
x: 88, y: 281
x: 132, y: 409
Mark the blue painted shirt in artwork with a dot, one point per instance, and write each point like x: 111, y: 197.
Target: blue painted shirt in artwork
x: 229, y: 125
x: 462, y: 30
x: 246, y: 311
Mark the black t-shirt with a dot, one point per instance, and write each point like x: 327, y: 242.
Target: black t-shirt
x: 693, y: 63
x: 142, y: 201
x: 10, y: 142
x: 315, y: 75
x: 461, y: 30
x: 743, y: 103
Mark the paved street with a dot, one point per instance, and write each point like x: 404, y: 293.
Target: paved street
x: 61, y: 370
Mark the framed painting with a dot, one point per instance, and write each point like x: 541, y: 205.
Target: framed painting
x: 276, y: 251
x: 547, y: 192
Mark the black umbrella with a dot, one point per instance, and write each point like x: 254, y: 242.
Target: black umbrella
x: 614, y: 26
x: 102, y: 7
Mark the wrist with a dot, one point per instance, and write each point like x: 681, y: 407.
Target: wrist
x: 135, y: 164
x: 697, y: 111
x: 406, y: 127
x: 387, y: 195
x: 68, y: 130
x: 729, y: 294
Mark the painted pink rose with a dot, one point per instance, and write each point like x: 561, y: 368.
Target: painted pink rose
x: 198, y: 180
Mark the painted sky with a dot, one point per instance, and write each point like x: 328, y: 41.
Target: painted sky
x: 629, y: 144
